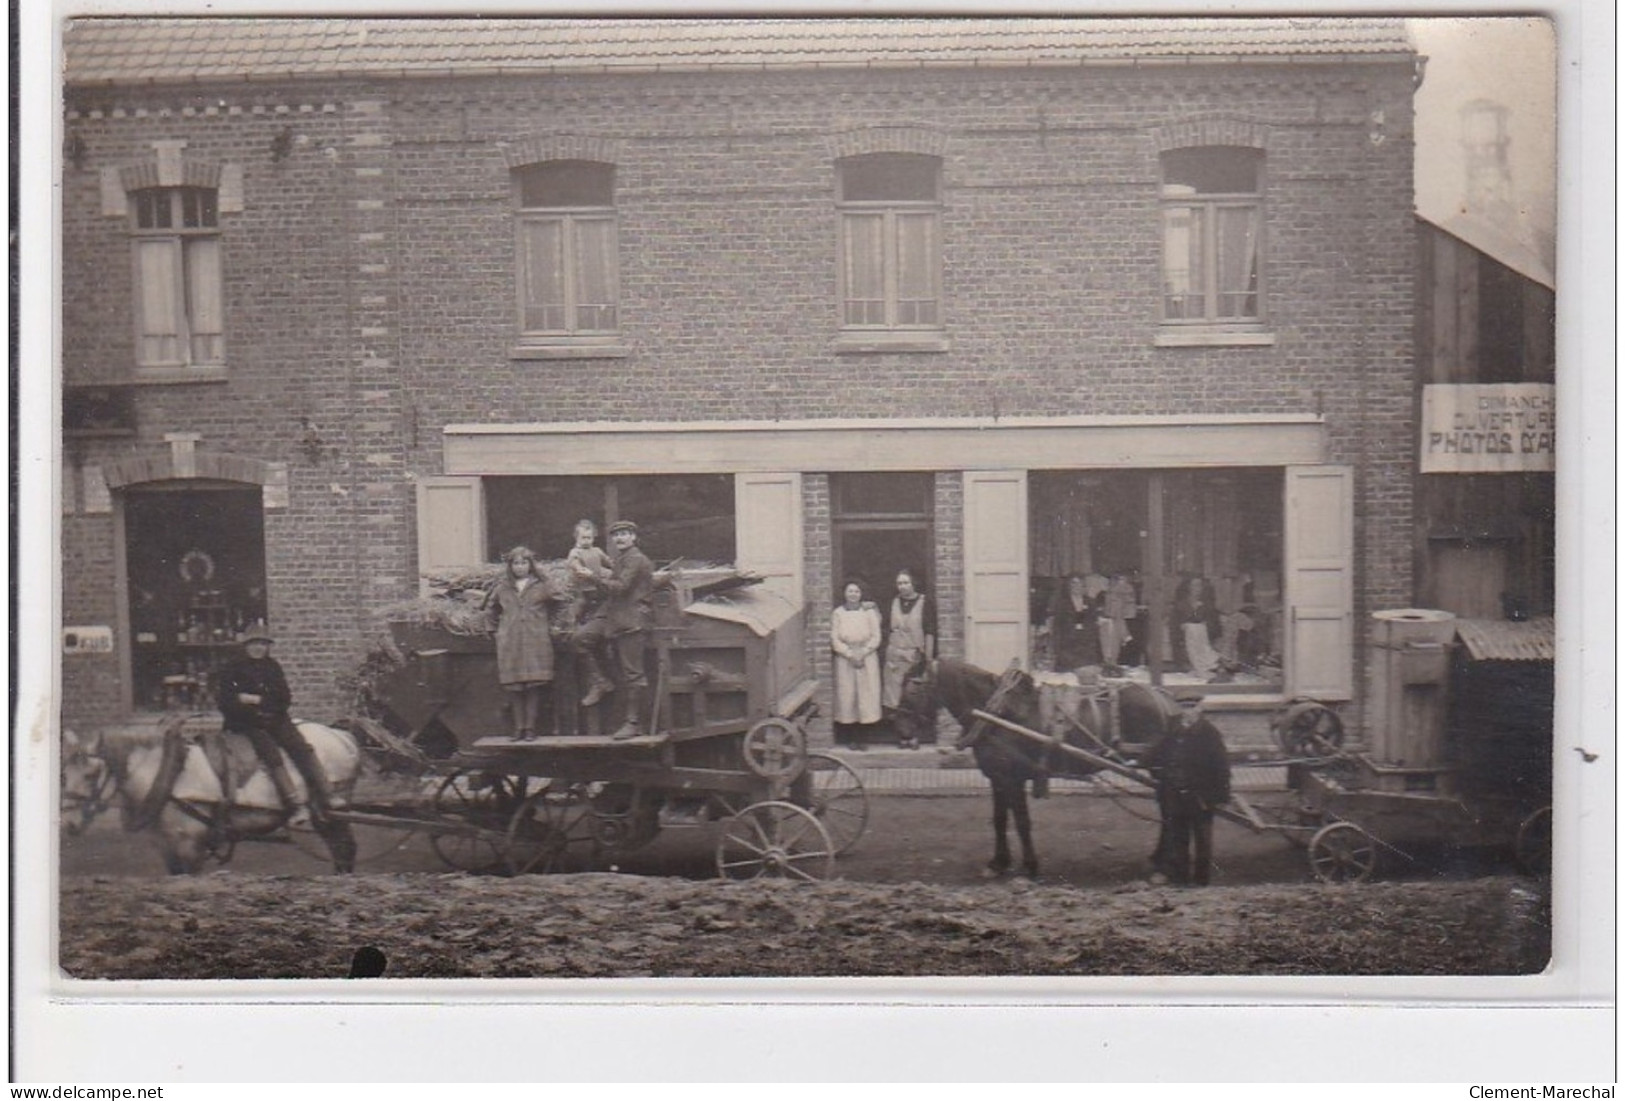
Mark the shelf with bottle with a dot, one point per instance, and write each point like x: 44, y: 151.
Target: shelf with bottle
x: 209, y: 621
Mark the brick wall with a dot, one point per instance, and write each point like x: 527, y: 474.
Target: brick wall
x: 370, y: 286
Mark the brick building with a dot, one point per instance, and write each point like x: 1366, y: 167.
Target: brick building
x: 1002, y: 301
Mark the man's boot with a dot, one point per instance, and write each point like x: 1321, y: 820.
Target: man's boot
x: 517, y: 720
x: 298, y: 812
x: 633, y: 726
x: 598, y: 685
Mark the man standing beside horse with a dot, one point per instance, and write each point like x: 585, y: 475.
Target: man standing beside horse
x: 253, y: 697
x: 1192, y: 769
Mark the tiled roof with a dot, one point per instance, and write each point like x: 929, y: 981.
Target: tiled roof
x: 104, y: 50
x: 1509, y: 639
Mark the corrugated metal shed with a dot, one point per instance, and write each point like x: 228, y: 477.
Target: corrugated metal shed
x: 115, y: 50
x: 1509, y: 640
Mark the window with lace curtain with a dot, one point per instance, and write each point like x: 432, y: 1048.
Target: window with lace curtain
x: 1212, y: 251
x: 180, y: 318
x: 891, y: 255
x: 568, y: 278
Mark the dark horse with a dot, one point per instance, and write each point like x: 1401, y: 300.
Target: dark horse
x: 1141, y: 714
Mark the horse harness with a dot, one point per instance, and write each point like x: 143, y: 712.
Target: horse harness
x: 228, y: 770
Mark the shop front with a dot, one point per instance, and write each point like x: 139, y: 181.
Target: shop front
x: 1217, y: 549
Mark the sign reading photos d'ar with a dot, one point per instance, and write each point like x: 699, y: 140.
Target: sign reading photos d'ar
x: 1489, y: 428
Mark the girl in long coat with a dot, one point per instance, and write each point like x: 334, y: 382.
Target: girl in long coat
x: 855, y: 636
x: 521, y: 607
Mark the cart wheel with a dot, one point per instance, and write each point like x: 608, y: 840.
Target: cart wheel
x: 775, y: 749
x: 777, y: 841
x: 830, y: 788
x: 1309, y: 729
x: 552, y: 829
x: 1342, y: 853
x: 1533, y: 848
x: 483, y: 801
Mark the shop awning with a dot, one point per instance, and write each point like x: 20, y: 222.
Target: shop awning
x: 1508, y: 639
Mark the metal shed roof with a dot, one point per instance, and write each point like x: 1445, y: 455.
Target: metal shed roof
x: 1509, y: 639
x: 140, y: 50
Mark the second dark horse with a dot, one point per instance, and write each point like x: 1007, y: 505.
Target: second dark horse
x: 1009, y: 761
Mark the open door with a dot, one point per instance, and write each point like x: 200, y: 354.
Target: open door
x: 451, y: 524
x: 1319, y: 573
x: 996, y: 602
x: 767, y: 523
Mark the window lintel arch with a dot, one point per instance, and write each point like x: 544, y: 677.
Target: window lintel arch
x: 887, y: 139
x: 1195, y: 133
x: 540, y: 148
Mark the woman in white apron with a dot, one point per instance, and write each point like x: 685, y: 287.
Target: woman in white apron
x: 854, y: 635
x: 911, y: 634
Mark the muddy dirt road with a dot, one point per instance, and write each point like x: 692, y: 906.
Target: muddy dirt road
x: 909, y: 901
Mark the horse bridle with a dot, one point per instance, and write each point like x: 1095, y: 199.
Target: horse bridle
x: 91, y: 804
x: 924, y: 718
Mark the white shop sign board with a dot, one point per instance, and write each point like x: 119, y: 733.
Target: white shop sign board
x: 1491, y: 428
x: 87, y: 640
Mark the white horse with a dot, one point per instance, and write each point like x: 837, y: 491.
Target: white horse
x: 167, y: 782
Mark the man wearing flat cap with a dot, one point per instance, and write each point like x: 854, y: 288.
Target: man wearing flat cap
x: 253, y: 696
x: 1192, y: 770
x: 621, y: 621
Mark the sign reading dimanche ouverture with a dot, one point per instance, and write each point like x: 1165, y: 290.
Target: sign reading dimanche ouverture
x: 1489, y: 428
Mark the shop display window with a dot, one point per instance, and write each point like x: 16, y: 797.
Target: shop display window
x: 1168, y: 576
x: 679, y: 516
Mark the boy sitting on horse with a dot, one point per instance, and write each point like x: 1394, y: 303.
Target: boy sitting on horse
x: 253, y: 697
x: 1192, y: 769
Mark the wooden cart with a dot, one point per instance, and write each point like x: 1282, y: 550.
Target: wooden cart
x: 1351, y: 812
x: 726, y: 748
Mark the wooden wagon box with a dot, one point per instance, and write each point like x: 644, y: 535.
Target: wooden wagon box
x: 720, y: 665
x: 735, y: 660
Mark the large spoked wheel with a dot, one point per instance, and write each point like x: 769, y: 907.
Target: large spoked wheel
x: 1533, y: 848
x: 775, y: 749
x: 775, y: 840
x: 1342, y: 853
x: 477, y: 805
x: 1309, y: 729
x: 830, y: 788
x: 554, y: 830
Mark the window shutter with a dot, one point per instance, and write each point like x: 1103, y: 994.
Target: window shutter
x: 996, y: 568
x: 1319, y: 515
x: 451, y: 524
x: 767, y: 523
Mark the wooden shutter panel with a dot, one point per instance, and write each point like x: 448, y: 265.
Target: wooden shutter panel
x: 996, y: 568
x: 1319, y: 636
x: 767, y: 526
x: 451, y: 524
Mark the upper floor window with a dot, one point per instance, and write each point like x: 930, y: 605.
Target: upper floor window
x: 891, y: 253
x: 568, y: 278
x: 1211, y: 202
x: 179, y: 313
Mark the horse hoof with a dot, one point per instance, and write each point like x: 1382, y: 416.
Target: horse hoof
x: 991, y: 872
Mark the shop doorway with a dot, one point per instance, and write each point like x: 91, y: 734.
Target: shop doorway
x: 881, y: 523
x: 194, y: 557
